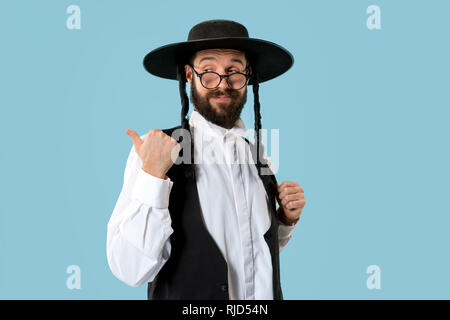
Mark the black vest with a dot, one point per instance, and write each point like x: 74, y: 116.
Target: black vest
x: 196, y: 268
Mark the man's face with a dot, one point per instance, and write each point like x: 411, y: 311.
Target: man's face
x: 221, y: 111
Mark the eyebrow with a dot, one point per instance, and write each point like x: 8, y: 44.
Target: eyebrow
x: 212, y: 58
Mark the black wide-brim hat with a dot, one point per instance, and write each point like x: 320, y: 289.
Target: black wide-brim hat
x: 267, y: 59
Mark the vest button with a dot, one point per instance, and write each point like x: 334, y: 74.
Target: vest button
x: 224, y: 288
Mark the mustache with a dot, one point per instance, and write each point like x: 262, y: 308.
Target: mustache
x: 228, y: 92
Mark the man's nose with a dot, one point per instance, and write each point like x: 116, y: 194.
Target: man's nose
x: 223, y: 84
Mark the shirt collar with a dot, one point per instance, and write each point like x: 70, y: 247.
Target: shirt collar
x: 207, y: 127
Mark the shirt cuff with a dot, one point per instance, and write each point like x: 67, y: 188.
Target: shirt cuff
x: 151, y: 190
x: 285, y: 231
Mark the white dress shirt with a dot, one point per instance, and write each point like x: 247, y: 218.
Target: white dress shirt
x: 234, y: 207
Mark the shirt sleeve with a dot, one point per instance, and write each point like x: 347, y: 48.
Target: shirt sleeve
x: 285, y: 233
x: 138, y: 232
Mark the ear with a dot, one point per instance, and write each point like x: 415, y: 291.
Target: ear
x: 188, y: 71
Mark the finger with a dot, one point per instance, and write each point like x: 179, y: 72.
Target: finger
x: 291, y: 197
x: 137, y: 141
x: 290, y: 190
x: 285, y: 184
x: 296, y: 204
x: 289, y: 184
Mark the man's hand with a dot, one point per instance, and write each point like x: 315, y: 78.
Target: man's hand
x: 291, y: 198
x: 155, y: 152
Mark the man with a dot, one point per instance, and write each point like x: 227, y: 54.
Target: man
x: 205, y: 230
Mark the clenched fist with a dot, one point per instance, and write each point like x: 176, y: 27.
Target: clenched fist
x: 158, y: 151
x: 291, y: 198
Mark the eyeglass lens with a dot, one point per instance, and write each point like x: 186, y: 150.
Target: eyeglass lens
x: 211, y: 80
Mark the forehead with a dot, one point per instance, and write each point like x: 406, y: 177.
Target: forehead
x: 219, y: 56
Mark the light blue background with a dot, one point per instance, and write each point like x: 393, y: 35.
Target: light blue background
x: 363, y: 118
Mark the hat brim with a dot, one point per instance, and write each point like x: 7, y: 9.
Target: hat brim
x: 268, y: 59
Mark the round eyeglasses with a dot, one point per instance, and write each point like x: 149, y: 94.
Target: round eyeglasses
x: 211, y: 79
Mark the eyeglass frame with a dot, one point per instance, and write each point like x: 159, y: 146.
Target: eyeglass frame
x: 227, y: 76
